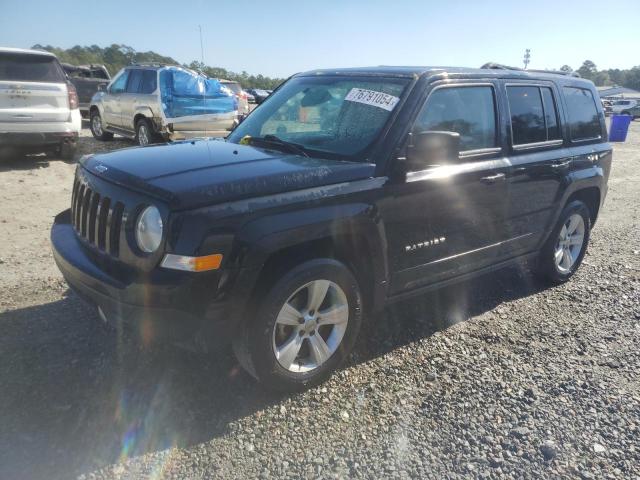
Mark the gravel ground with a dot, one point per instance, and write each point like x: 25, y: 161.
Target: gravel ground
x: 498, y: 377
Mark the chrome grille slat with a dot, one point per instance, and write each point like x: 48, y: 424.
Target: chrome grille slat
x: 103, y: 213
x: 96, y: 218
x: 114, y: 230
x: 93, y: 210
x: 84, y: 211
x: 79, y: 195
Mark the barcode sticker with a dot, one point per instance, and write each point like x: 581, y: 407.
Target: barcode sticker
x: 373, y: 98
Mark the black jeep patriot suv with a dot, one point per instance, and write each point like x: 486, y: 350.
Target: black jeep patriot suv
x: 344, y: 191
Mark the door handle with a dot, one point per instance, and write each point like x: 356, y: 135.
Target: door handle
x: 561, y: 163
x: 492, y: 178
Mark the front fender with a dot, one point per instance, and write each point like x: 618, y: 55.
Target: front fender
x: 355, y: 224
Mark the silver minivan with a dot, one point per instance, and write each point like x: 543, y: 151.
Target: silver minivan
x: 152, y: 103
x: 38, y: 105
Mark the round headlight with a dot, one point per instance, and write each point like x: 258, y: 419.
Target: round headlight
x: 149, y: 229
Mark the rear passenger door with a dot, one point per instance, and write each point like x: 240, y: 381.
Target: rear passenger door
x: 130, y: 99
x: 539, y: 161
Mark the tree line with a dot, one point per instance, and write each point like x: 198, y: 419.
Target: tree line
x: 629, y: 78
x: 116, y: 56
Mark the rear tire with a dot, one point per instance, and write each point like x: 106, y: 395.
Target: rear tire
x: 97, y: 127
x: 68, y: 150
x: 145, y: 134
x: 296, y: 337
x: 565, y: 248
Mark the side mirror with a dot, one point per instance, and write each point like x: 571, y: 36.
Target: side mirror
x: 432, y: 148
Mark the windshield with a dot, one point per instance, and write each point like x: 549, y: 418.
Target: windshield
x: 337, y: 115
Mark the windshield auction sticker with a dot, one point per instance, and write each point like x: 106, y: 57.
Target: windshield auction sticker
x: 373, y: 98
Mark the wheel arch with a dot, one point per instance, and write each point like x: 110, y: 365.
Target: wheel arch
x: 356, y: 240
x: 95, y: 108
x: 591, y: 197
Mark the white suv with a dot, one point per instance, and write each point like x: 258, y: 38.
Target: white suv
x: 38, y: 105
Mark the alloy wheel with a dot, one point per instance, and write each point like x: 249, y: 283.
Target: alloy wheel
x: 310, y: 326
x: 143, y: 135
x: 570, y: 243
x: 96, y: 123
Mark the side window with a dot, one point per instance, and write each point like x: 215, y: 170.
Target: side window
x: 550, y: 114
x: 120, y: 83
x: 584, y: 122
x: 527, y: 115
x: 135, y: 81
x: 534, y: 115
x: 149, y: 81
x: 469, y: 111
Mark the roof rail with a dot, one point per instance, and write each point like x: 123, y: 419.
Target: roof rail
x: 497, y: 66
x: 148, y: 64
x: 558, y: 72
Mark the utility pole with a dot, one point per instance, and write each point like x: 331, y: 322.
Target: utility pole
x: 527, y: 58
x: 201, y: 47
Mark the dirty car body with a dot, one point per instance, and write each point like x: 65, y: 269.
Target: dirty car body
x: 325, y: 170
x: 176, y: 102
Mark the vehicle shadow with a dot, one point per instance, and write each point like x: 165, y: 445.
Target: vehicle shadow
x: 76, y: 397
x: 11, y: 160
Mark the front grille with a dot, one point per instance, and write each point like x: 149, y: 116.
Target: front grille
x: 96, y: 218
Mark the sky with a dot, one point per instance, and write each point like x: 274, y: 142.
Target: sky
x: 279, y: 38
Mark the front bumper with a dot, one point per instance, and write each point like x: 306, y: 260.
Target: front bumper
x: 201, y: 310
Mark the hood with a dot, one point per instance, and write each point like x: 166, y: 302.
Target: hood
x: 196, y: 173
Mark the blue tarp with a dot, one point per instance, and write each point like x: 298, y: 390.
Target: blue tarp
x: 185, y: 93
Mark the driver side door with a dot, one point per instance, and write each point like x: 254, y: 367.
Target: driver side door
x: 445, y: 220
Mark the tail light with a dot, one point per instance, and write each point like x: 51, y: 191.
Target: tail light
x: 73, y: 96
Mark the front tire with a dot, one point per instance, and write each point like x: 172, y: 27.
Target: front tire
x: 303, y: 328
x: 563, y: 252
x: 97, y: 127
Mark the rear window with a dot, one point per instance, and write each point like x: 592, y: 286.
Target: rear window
x: 30, y: 68
x: 584, y: 121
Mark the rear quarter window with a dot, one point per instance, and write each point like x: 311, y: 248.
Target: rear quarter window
x: 584, y: 121
x: 30, y: 68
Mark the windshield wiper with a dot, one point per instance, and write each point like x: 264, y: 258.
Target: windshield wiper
x: 276, y: 141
